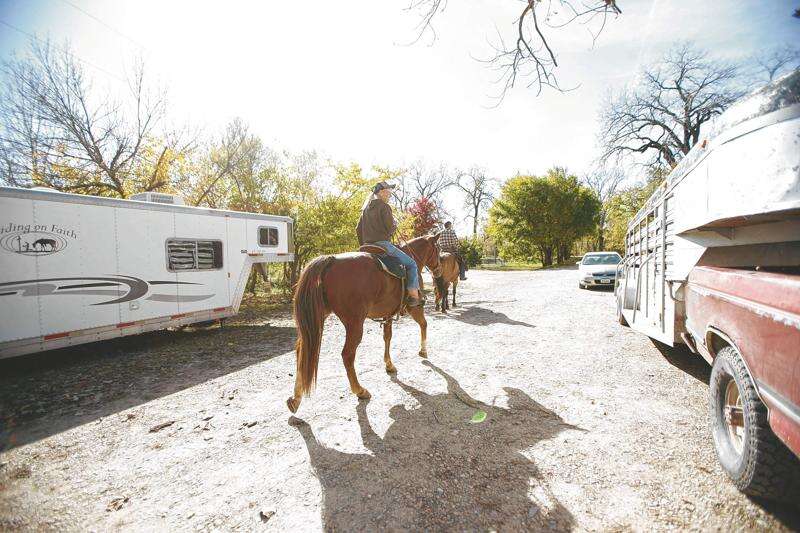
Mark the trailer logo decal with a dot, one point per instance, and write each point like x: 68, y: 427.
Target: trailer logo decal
x: 121, y: 288
x: 35, y: 239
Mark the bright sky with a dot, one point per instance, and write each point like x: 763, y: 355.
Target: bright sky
x: 338, y: 77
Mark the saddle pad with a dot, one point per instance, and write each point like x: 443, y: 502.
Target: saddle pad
x: 390, y: 265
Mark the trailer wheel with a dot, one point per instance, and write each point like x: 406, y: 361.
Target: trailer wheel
x: 620, y: 316
x: 756, y: 461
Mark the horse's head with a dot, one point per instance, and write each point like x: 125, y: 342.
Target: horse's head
x: 425, y: 250
x: 432, y: 260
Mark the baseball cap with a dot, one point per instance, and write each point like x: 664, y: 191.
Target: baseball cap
x: 383, y: 185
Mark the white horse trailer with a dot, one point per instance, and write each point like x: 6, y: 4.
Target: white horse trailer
x: 76, y: 269
x: 713, y: 261
x: 734, y: 200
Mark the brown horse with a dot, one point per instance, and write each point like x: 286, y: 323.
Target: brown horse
x: 449, y: 276
x: 353, y: 288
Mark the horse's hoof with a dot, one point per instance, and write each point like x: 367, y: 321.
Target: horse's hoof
x: 391, y: 369
x: 423, y: 354
x: 292, y: 404
x: 364, y: 394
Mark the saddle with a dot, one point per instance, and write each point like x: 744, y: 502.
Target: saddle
x: 390, y: 265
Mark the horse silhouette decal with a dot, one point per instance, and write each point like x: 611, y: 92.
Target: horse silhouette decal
x: 42, y: 244
x: 33, y: 243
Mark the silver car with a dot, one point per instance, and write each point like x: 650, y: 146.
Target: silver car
x: 598, y: 268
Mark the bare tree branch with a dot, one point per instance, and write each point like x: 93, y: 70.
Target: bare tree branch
x: 56, y: 131
x: 530, y: 56
x: 771, y: 64
x: 662, y: 115
x: 478, y: 192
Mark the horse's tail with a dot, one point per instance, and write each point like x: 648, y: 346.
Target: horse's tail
x: 309, y: 316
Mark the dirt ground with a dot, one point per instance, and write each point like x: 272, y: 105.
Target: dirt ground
x: 589, y: 426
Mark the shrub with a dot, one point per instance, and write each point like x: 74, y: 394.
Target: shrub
x: 471, y: 249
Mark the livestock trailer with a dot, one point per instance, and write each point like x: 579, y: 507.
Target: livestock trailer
x: 76, y: 269
x: 712, y: 261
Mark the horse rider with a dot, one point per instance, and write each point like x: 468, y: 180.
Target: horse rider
x: 377, y: 226
x: 448, y: 242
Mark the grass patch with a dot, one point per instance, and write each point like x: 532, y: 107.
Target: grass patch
x: 520, y: 266
x: 510, y: 266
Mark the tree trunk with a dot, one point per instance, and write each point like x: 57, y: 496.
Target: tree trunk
x: 601, y: 237
x: 475, y: 222
x: 563, y: 252
x: 547, y: 255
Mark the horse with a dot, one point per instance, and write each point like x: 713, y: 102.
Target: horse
x: 450, y: 274
x: 352, y: 287
x: 42, y: 244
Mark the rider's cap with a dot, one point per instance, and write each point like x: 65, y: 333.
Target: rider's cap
x: 383, y: 185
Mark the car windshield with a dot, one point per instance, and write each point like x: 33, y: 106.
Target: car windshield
x: 607, y: 259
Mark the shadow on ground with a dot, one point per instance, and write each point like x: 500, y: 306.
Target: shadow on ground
x: 433, y: 470
x: 41, y: 395
x: 682, y: 358
x: 479, y: 316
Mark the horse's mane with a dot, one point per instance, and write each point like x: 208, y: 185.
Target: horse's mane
x: 415, y: 240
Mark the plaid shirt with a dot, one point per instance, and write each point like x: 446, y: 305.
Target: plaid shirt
x: 448, y: 242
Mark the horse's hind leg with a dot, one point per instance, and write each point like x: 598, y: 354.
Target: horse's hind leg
x: 455, y: 284
x: 418, y: 314
x: 387, y: 340
x: 294, y: 402
x: 355, y: 331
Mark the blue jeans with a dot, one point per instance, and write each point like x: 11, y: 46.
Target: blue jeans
x: 412, y: 273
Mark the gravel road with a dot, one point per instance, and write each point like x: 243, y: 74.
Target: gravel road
x: 589, y: 426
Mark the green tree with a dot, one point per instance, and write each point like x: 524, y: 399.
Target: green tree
x: 624, y: 205
x: 542, y: 216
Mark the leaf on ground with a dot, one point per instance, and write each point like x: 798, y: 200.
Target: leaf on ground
x: 161, y: 426
x: 478, y: 417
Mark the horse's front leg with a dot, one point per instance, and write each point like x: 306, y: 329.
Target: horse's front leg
x: 355, y: 330
x: 387, y: 340
x: 455, y: 284
x: 418, y: 314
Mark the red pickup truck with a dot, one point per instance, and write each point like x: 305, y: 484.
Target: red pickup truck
x: 746, y: 322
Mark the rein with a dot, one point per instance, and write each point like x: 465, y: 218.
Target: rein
x: 423, y: 264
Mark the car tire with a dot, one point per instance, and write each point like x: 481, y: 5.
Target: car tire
x: 757, y: 462
x: 581, y: 285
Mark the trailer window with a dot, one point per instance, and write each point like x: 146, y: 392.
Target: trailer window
x: 267, y: 236
x: 193, y: 254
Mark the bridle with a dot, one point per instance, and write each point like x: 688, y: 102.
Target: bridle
x: 437, y: 272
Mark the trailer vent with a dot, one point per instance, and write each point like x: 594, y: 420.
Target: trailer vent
x: 158, y: 198
x: 190, y: 254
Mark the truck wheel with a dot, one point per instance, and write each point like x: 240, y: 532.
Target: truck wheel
x: 756, y: 461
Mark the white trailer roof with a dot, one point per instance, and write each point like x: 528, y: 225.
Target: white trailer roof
x: 55, y: 196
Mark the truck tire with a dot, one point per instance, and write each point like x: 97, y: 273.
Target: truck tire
x: 757, y: 462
